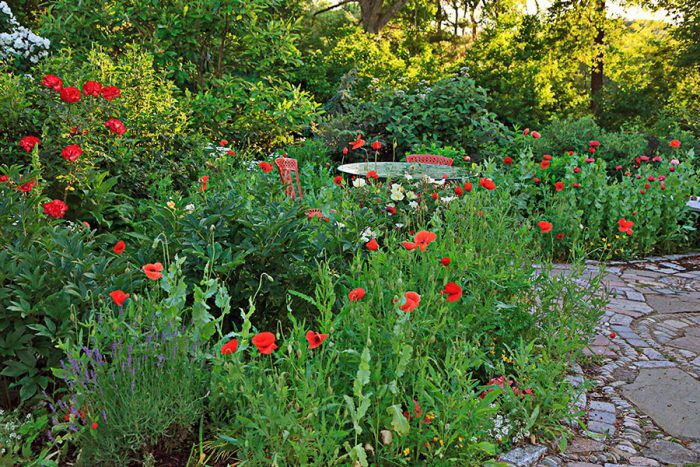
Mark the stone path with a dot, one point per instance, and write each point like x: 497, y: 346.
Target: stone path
x: 645, y: 407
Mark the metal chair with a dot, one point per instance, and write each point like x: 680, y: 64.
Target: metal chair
x: 429, y: 159
x: 289, y: 173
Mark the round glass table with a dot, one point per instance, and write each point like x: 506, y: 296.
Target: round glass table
x: 396, y: 170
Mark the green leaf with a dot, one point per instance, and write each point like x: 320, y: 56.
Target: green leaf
x: 399, y: 423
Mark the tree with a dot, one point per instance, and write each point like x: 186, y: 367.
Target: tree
x: 374, y: 14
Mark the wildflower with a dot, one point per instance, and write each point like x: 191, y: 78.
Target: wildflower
x: 625, y: 226
x: 92, y: 88
x: 265, y: 167
x: 421, y: 240
x: 469, y: 186
x: 27, y: 187
x: 508, y: 160
x: 229, y: 347
x: 594, y: 143
x: 544, y: 165
x: 153, y: 271
x: 559, y: 236
x: 613, y: 335
x: 115, y: 126
x: 28, y: 142
x: 119, y: 297
x: 372, y: 245
x: 94, y: 425
x: 559, y: 186
x: 52, y: 82
x: 70, y: 95
x: 577, y: 170
x: 357, y: 144
x: 453, y: 291
x: 110, y: 92
x: 618, y: 167
x: 459, y: 191
x: 547, y: 157
x: 576, y: 185
x: 411, y: 302
x: 345, y: 151
x: 265, y: 342
x: 71, y: 153
x: 376, y: 146
x: 536, y: 180
x: 445, y: 261
x: 545, y: 227
x: 356, y: 294
x: 315, y: 339
x: 487, y: 183
x: 535, y: 134
x: 359, y: 182
x: 56, y: 209
x: 119, y: 247
x: 396, y: 192
x: 372, y: 174
x: 170, y: 204
x: 675, y: 162
x: 526, y: 131
x: 591, y: 150
x: 189, y: 208
x: 204, y: 180
x: 590, y: 160
x: 391, y: 210
x: 675, y: 144
x: 338, y: 180
x: 223, y: 142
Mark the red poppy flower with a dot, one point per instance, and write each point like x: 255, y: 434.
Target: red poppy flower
x: 526, y: 131
x: 421, y: 240
x: 535, y: 134
x: 153, y: 271
x: 56, y: 209
x: 544, y: 164
x: 559, y: 186
x: 115, y: 126
x: 92, y: 88
x: 411, y: 302
x: 338, y: 180
x: 223, y: 142
x: 119, y: 247
x: 625, y: 226
x: 315, y: 339
x: 372, y: 174
x: 577, y: 170
x: 229, y: 347
x: 52, y: 82
x: 265, y: 342
x: 453, y: 291
x: 560, y: 236
x: 675, y: 144
x: 27, y: 187
x: 445, y: 261
x: 487, y: 183
x: 545, y: 227
x: 28, y: 142
x: 119, y: 297
x: 265, y: 167
x: 647, y: 186
x: 356, y: 294
x: 536, y: 180
x: 110, y: 92
x: 357, y: 144
x: 643, y: 192
x: 507, y: 160
x: 459, y: 191
x: 70, y: 94
x: 644, y: 158
x: 94, y: 425
x: 72, y: 153
x: 376, y: 145
x: 469, y: 186
x: 547, y: 157
x: 372, y: 245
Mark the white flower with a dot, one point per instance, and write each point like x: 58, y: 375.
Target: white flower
x: 413, y: 204
x: 367, y: 235
x: 189, y: 208
x: 447, y: 199
x: 398, y: 226
x: 359, y: 182
x: 340, y: 225
x: 408, y: 176
x: 440, y: 182
x: 411, y: 195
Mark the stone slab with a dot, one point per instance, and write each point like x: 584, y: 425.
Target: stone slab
x: 673, y: 304
x: 670, y: 453
x: 525, y: 456
x: 691, y: 343
x: 671, y: 397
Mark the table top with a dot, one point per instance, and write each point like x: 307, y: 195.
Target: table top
x: 398, y: 170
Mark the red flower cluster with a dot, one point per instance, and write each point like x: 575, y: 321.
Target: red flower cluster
x: 28, y: 142
x: 115, y: 126
x: 487, y: 183
x: 72, y: 153
x: 56, y: 209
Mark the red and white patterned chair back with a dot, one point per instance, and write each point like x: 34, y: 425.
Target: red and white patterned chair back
x: 429, y: 159
x: 289, y: 175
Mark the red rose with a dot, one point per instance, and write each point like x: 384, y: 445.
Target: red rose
x: 391, y: 210
x: 356, y: 294
x: 110, y: 92
x: 70, y: 95
x: 92, y: 88
x: 434, y: 196
x: 115, y: 126
x: 376, y: 145
x: 229, y: 347
x: 507, y: 160
x: 453, y: 292
x: 72, y: 153
x: 119, y: 247
x: 675, y: 144
x: 94, y: 425
x: 56, y: 209
x: 545, y: 227
x: 577, y: 170
x: 119, y: 297
x: 52, y: 82
x: 591, y: 150
x: 28, y: 142
x: 315, y: 339
x: 265, y: 342
x: 594, y: 143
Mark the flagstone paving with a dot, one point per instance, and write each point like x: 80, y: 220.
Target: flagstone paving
x: 645, y: 407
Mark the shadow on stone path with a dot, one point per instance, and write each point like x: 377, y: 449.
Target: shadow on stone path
x: 645, y: 409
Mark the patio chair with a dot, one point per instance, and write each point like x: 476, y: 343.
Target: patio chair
x: 429, y: 159
x: 289, y: 175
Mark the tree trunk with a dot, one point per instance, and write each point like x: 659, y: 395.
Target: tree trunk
x: 598, y: 60
x: 472, y: 18
x: 375, y: 15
